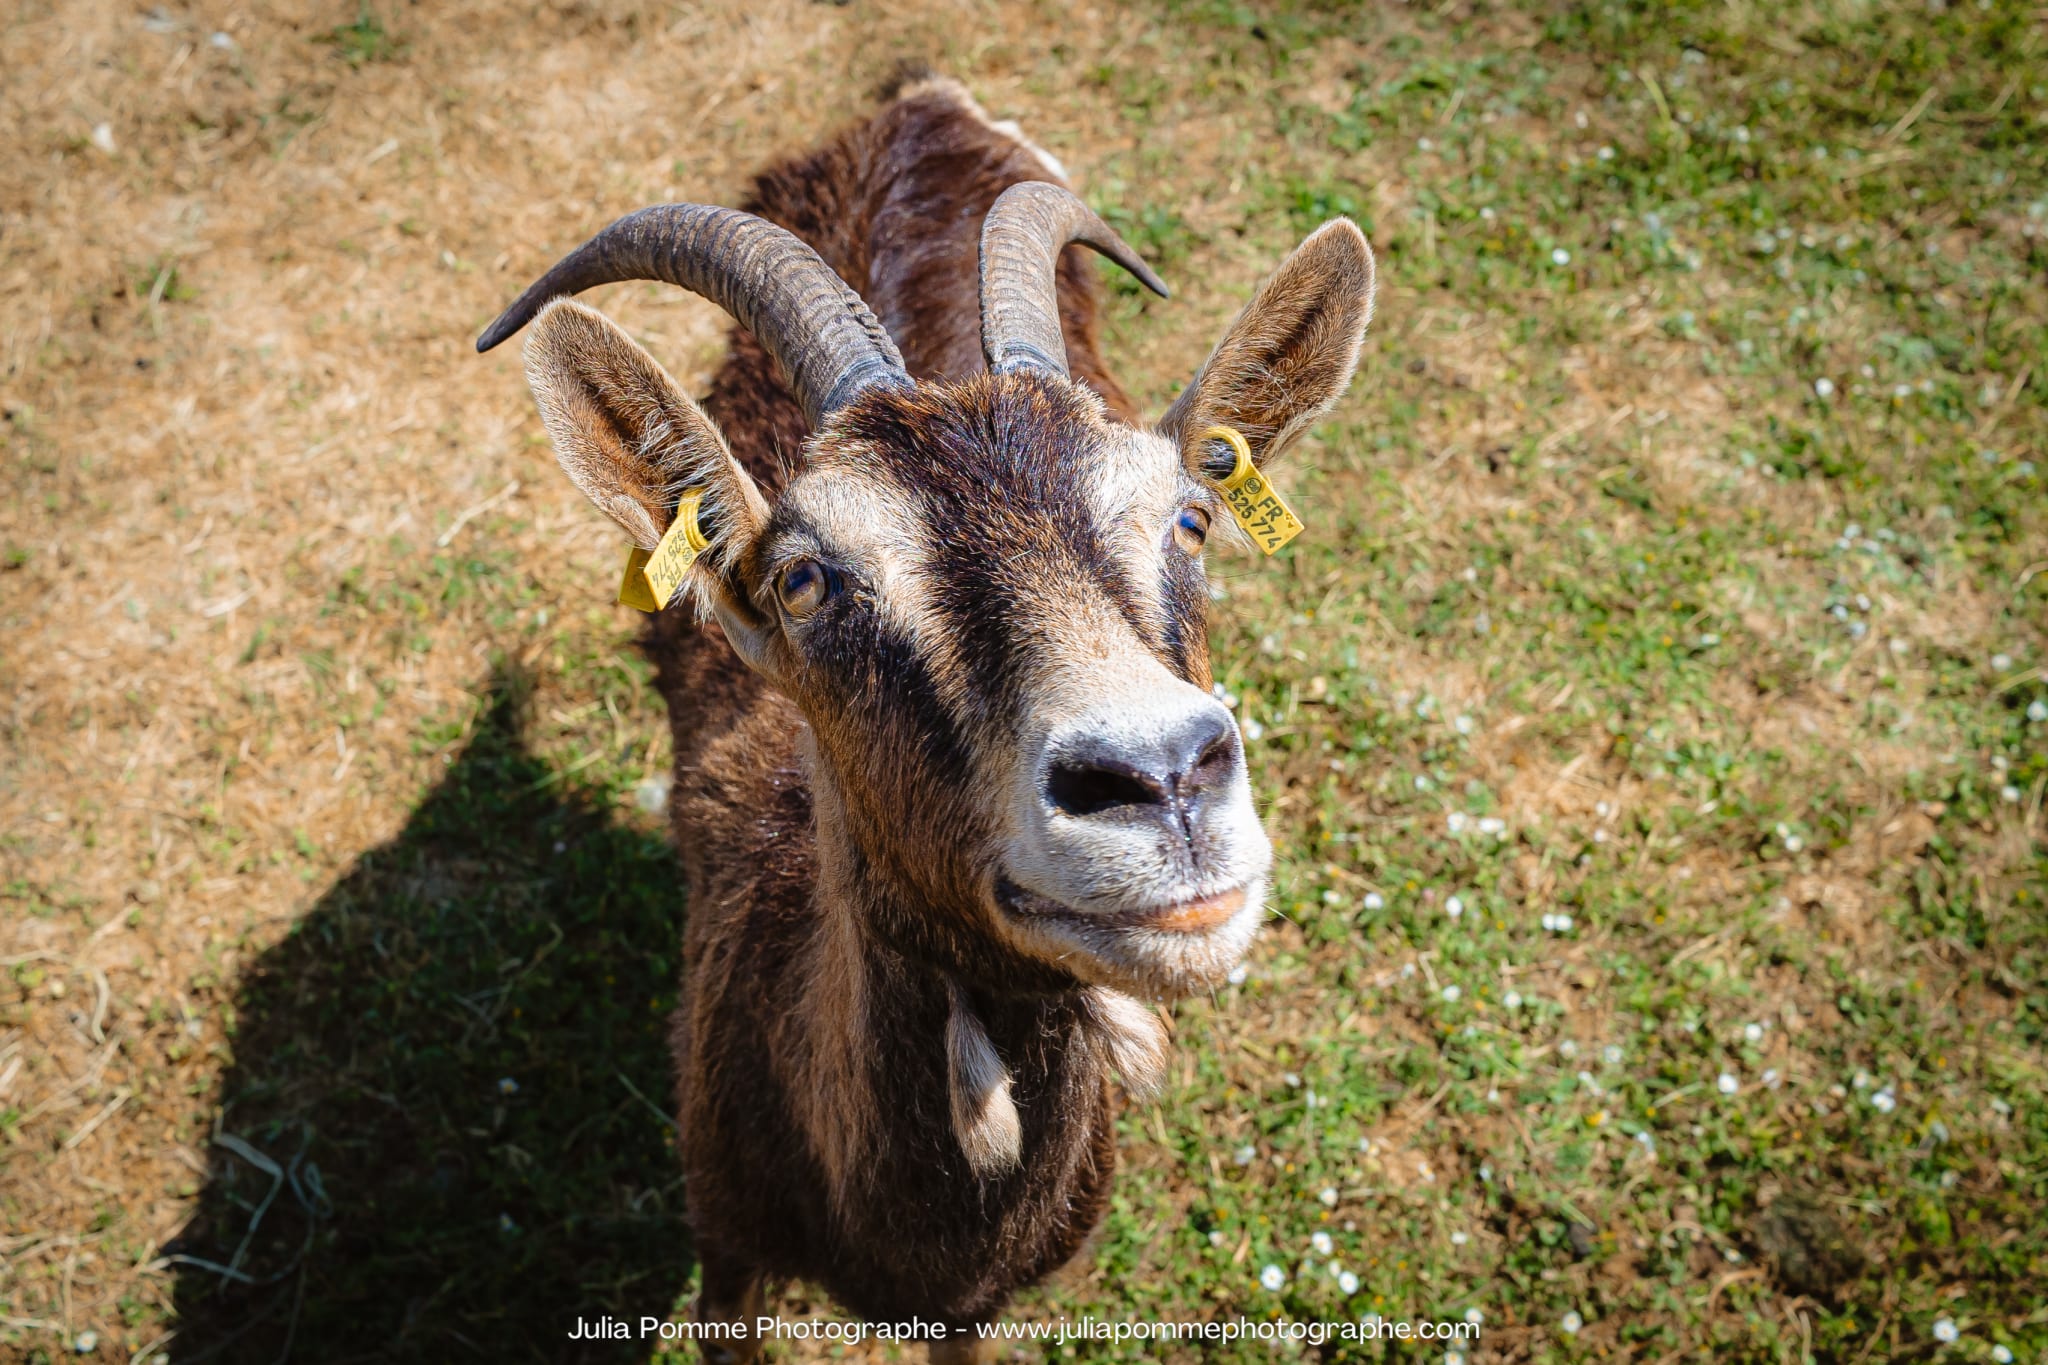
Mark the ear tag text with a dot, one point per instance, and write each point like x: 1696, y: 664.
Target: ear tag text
x: 652, y: 576
x: 1252, y: 499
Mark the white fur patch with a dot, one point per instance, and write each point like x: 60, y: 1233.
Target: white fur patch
x: 1133, y: 1038
x: 984, y: 1116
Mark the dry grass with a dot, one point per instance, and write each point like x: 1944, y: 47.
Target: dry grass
x: 235, y: 321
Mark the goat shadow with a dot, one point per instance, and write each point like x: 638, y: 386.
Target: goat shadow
x: 445, y: 1133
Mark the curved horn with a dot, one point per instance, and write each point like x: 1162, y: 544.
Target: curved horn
x: 820, y: 332
x: 1028, y: 226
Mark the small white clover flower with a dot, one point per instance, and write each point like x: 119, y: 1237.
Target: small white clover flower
x: 1559, y: 256
x: 652, y: 794
x: 1884, y: 1102
x: 1459, y: 1239
x: 1571, y: 1323
x: 1568, y: 1048
x: 1375, y: 901
x: 1272, y: 1277
x: 1727, y: 1084
x: 1752, y: 1033
x: 1347, y: 1282
x: 1493, y: 825
x: 1216, y: 1238
x: 1605, y: 153
x: 1513, y: 1000
x: 2037, y: 711
x: 1611, y: 1054
x: 1328, y: 1197
x: 1455, y: 822
x: 1861, y: 1080
x: 1245, y: 1155
x: 1464, y: 725
x: 2000, y: 662
x: 85, y: 1343
x: 2002, y: 1354
x: 1293, y: 1079
x: 1945, y: 1329
x: 1333, y: 897
x: 1454, y: 906
x: 1474, y: 1316
x: 2009, y: 792
x: 1824, y: 387
x: 1451, y: 993
x: 1321, y: 1244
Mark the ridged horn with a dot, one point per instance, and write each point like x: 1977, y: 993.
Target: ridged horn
x: 1028, y: 226
x: 828, y: 343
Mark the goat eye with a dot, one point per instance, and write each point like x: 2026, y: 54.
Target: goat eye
x: 804, y: 586
x: 1191, y: 529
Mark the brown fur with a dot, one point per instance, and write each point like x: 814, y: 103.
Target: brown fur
x: 868, y: 1038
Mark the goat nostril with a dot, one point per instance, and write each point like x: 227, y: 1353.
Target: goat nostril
x: 1082, y: 789
x: 1170, y: 777
x: 1214, y: 765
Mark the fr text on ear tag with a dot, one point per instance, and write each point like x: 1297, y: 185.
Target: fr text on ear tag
x: 652, y: 576
x: 1257, y: 505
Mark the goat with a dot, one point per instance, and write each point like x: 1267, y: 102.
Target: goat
x: 953, y: 793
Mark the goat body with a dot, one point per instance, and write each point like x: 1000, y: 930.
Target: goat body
x: 953, y: 790
x: 813, y: 1086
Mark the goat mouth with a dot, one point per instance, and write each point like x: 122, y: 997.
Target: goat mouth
x: 1198, y: 915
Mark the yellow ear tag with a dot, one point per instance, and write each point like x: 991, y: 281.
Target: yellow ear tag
x: 1257, y: 505
x: 652, y: 577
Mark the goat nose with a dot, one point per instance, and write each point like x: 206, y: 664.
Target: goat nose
x: 1163, y: 777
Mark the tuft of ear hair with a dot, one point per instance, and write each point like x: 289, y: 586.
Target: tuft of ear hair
x: 985, y: 1118
x: 1132, y: 1037
x: 627, y: 436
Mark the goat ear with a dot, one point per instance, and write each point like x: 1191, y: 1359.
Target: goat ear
x: 627, y: 436
x: 1290, y: 354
